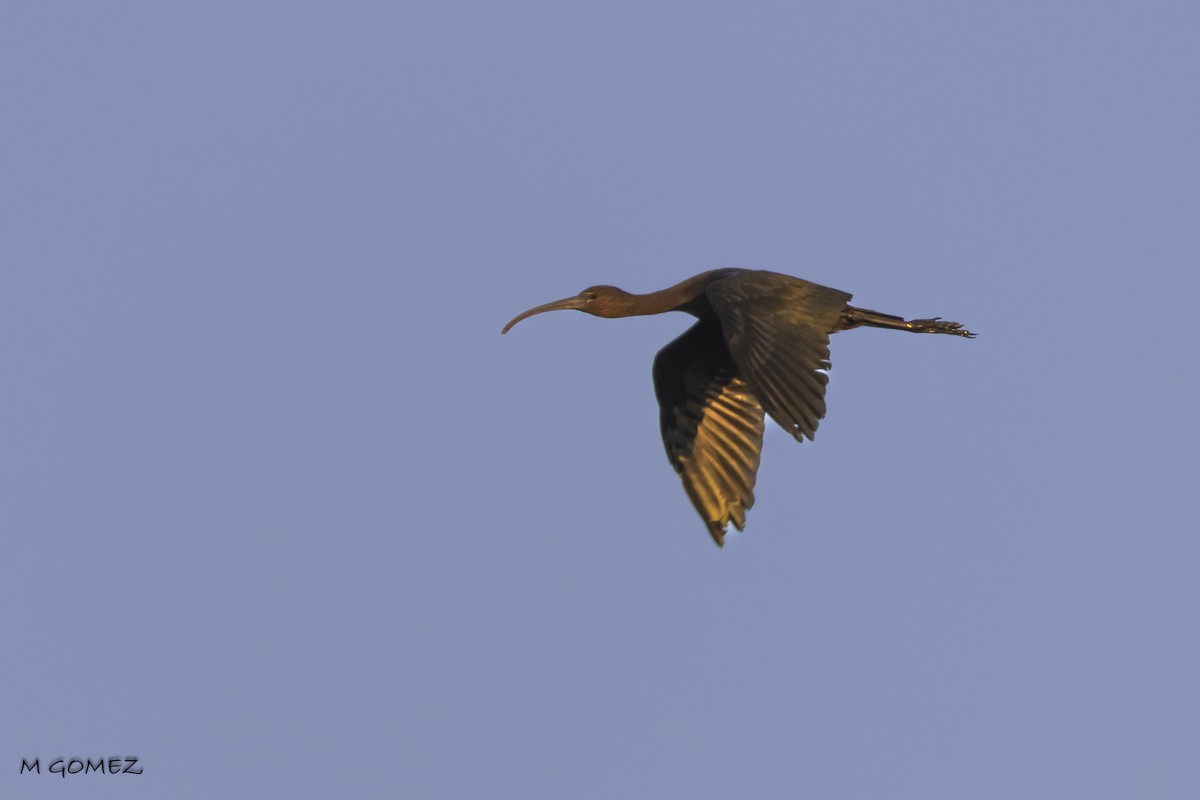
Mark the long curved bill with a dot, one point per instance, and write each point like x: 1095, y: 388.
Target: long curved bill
x: 567, y: 303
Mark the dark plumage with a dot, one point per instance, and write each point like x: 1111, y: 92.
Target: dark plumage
x: 760, y: 344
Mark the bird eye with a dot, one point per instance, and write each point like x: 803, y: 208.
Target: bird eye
x: 591, y: 296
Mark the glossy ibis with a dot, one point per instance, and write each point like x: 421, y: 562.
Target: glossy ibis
x: 760, y: 345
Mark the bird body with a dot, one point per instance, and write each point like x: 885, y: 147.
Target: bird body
x: 760, y: 345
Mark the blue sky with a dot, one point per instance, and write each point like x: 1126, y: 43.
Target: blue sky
x: 284, y: 515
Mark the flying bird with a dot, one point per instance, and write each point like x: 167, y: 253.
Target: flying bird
x: 759, y: 345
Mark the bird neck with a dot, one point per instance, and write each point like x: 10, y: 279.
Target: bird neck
x: 640, y: 305
x: 687, y: 296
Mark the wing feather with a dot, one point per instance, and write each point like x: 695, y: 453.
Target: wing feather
x: 712, y: 426
x: 777, y: 329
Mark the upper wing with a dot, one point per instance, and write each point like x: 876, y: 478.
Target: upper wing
x: 777, y: 328
x: 712, y: 426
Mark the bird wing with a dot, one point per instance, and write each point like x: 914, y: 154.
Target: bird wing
x: 712, y: 426
x: 777, y: 328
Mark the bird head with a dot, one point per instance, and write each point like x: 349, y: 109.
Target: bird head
x: 600, y: 301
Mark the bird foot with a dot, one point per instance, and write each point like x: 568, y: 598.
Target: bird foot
x: 939, y: 325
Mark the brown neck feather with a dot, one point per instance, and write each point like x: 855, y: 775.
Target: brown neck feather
x: 687, y: 296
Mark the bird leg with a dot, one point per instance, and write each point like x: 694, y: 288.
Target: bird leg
x: 939, y: 325
x: 852, y: 317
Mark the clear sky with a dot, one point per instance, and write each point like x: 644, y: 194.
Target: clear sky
x: 283, y: 515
